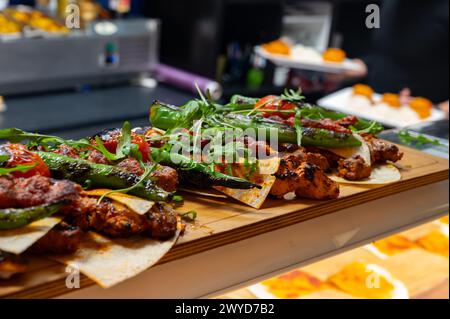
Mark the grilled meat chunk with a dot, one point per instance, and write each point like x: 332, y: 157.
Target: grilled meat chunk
x: 305, y: 179
x: 66, y: 151
x: 326, y: 124
x: 354, y: 169
x: 11, y: 265
x: 302, y: 156
x: 35, y: 191
x: 383, y: 151
x: 98, y: 158
x: 131, y: 165
x: 162, y: 222
x: 116, y: 220
x: 332, y: 158
x: 166, y: 178
x: 63, y: 239
x: 347, y: 121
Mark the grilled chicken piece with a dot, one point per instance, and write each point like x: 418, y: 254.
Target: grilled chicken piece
x: 305, y: 179
x: 63, y: 239
x: 302, y: 156
x: 383, y: 151
x: 35, y: 191
x: 332, y: 158
x: 354, y: 169
x: 11, y: 265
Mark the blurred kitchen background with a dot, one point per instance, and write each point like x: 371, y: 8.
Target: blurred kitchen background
x: 58, y: 78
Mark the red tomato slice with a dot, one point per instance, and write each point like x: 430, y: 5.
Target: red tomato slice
x: 112, y: 141
x: 20, y: 155
x: 274, y: 103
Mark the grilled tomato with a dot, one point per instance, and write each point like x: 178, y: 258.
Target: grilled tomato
x: 20, y: 155
x: 276, y: 107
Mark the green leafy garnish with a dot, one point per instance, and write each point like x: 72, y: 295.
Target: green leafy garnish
x: 124, y: 146
x: 18, y: 168
x: 4, y: 158
x: 190, y: 216
x: 293, y: 96
x: 178, y: 199
x: 417, y: 139
x: 144, y: 177
x: 298, y: 127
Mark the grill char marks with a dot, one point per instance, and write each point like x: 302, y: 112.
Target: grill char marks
x: 308, y: 180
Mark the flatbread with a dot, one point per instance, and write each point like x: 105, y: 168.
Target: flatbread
x: 138, y: 205
x: 17, y: 241
x: 252, y: 197
x: 109, y: 262
x: 381, y: 175
x: 349, y: 152
x: 256, y: 197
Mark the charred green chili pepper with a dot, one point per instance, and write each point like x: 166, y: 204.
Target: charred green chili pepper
x: 199, y: 174
x: 12, y: 218
x: 99, y: 175
x: 164, y: 116
x: 287, y: 134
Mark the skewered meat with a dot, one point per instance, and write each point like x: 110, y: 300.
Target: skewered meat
x: 63, y: 239
x: 66, y: 151
x: 166, y: 178
x: 35, y: 191
x: 162, y: 222
x: 347, y: 121
x: 354, y: 169
x: 383, y: 151
x: 131, y: 165
x: 11, y: 265
x: 106, y: 217
x: 98, y: 158
x: 116, y: 220
x: 326, y: 124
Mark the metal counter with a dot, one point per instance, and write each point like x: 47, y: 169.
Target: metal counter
x: 76, y: 114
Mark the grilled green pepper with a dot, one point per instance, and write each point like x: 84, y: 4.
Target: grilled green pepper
x: 164, y: 116
x: 287, y: 134
x: 98, y: 175
x: 12, y: 218
x: 199, y: 174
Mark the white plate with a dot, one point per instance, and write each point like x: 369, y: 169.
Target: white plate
x: 262, y: 292
x: 344, y: 101
x: 302, y: 64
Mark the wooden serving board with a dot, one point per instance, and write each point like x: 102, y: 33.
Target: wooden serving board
x: 225, y: 221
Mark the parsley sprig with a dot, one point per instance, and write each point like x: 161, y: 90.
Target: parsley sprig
x: 407, y: 138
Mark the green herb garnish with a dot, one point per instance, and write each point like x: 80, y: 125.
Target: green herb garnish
x: 419, y: 140
x: 190, y: 216
x: 18, y: 168
x: 144, y: 177
x: 293, y: 96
